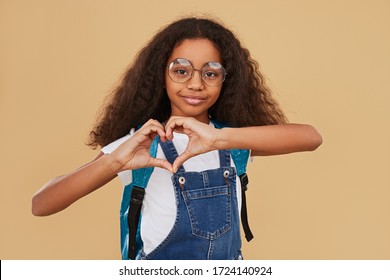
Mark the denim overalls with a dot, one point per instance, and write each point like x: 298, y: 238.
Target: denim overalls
x: 207, y: 223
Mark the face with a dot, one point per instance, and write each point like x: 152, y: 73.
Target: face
x: 194, y: 97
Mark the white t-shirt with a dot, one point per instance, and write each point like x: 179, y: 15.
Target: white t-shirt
x: 159, y: 205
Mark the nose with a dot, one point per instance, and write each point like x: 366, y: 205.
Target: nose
x: 196, y: 82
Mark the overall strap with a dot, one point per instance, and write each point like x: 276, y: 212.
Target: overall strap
x: 224, y: 158
x: 170, y: 153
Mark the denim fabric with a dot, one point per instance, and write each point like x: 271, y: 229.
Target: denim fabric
x: 207, y: 223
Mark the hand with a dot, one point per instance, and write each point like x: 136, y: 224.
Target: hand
x: 134, y: 153
x: 202, y: 137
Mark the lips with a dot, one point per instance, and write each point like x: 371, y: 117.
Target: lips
x: 193, y: 100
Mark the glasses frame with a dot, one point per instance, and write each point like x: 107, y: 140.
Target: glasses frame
x: 193, y: 71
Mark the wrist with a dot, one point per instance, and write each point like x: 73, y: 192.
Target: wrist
x: 222, y: 139
x: 112, y: 163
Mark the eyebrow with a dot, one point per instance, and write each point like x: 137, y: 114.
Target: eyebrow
x: 192, y: 63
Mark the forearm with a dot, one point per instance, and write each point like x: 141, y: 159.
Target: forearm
x: 271, y: 139
x: 62, y: 191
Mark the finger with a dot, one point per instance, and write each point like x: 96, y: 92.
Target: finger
x: 162, y: 163
x: 152, y: 130
x: 175, y: 124
x: 160, y: 132
x: 153, y: 123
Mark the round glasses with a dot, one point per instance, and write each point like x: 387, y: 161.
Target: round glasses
x: 181, y: 70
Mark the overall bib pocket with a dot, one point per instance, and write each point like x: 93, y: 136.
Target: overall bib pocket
x: 209, y: 210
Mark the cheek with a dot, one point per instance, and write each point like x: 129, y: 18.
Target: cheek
x: 170, y: 88
x: 216, y: 93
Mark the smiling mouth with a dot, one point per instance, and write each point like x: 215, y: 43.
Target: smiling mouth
x: 193, y: 100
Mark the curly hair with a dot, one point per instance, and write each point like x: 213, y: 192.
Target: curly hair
x: 244, y: 100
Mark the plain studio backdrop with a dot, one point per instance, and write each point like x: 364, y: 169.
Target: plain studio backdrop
x: 328, y: 63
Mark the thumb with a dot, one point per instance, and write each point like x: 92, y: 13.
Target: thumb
x: 181, y: 159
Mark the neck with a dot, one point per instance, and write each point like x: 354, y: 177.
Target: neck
x: 203, y: 119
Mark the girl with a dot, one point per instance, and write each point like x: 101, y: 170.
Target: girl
x: 191, y: 77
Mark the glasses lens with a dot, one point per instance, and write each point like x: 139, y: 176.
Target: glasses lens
x: 180, y: 70
x: 213, y: 74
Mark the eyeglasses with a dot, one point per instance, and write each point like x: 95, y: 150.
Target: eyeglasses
x: 181, y: 70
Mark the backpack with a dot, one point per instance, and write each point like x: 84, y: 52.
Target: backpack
x: 133, y: 194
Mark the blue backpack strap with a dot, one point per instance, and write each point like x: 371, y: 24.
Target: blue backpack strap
x: 240, y: 158
x: 131, y: 243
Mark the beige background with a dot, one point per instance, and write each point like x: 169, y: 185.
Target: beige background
x: 328, y: 63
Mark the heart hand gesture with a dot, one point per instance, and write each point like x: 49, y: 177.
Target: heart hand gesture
x: 134, y: 153
x: 202, y: 137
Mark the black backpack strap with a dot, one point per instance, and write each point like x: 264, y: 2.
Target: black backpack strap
x: 244, y: 214
x: 137, y: 196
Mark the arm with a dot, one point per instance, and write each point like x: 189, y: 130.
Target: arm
x: 262, y: 140
x: 270, y: 139
x: 62, y: 191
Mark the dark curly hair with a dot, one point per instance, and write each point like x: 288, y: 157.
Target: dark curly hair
x: 244, y: 100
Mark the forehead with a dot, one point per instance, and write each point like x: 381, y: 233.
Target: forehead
x: 198, y: 51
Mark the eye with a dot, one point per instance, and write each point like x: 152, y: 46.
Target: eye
x: 213, y: 71
x: 181, y: 72
x: 210, y: 75
x: 180, y: 67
